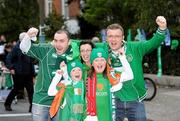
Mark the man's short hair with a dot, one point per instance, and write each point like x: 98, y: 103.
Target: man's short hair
x: 95, y: 39
x: 115, y: 26
x: 63, y: 31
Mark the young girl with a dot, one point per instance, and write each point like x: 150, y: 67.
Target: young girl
x: 69, y: 99
x: 98, y: 88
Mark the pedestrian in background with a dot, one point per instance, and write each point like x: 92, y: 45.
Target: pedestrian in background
x: 2, y: 45
x: 6, y: 72
x: 22, y: 69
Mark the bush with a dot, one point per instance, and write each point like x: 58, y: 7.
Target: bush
x: 170, y: 61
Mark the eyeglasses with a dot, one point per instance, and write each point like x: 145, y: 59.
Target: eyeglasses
x: 87, y: 51
x: 114, y: 36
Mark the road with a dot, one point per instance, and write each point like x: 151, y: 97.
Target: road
x: 19, y: 113
x: 164, y: 107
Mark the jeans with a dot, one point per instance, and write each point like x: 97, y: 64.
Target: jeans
x: 133, y: 110
x: 41, y: 113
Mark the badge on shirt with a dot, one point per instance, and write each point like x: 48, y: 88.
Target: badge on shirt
x: 77, y: 91
x: 78, y: 108
x: 129, y: 57
x: 100, y: 86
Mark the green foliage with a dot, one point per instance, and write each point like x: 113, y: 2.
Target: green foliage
x: 54, y: 23
x: 17, y: 16
x: 104, y: 12
x: 170, y: 61
x: 133, y: 13
x: 146, y: 13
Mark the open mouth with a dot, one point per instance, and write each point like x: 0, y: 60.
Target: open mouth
x: 77, y: 76
x: 113, y: 43
x: 99, y: 67
x: 59, y: 50
x: 86, y: 57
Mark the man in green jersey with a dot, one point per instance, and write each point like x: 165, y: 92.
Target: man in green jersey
x: 129, y: 99
x: 49, y: 55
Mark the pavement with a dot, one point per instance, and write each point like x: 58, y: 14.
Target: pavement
x: 164, y: 107
x: 19, y: 113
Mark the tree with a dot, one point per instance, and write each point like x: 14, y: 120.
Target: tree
x: 104, y: 12
x: 54, y: 23
x: 17, y: 16
x: 146, y: 13
x: 133, y: 13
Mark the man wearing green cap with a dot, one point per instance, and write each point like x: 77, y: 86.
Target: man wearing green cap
x: 129, y: 100
x: 49, y: 56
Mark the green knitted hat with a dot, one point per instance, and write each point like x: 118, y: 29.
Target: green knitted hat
x: 98, y: 52
x: 74, y: 64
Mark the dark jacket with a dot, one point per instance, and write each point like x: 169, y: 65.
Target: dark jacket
x: 21, y: 63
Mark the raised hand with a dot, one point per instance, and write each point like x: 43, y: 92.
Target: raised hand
x: 161, y: 22
x: 63, y: 66
x: 60, y: 72
x: 32, y: 32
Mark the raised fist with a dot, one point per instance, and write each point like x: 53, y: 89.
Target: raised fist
x: 32, y: 32
x: 63, y: 66
x: 60, y: 72
x: 161, y: 22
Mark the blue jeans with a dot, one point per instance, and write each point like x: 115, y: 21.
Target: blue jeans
x: 133, y: 110
x: 41, y: 113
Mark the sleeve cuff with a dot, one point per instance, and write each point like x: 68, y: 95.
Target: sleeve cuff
x: 25, y: 44
x: 161, y: 31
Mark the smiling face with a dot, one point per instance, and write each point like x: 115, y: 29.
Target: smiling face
x: 99, y: 64
x: 76, y: 74
x: 115, y: 38
x: 61, y: 42
x: 85, y: 51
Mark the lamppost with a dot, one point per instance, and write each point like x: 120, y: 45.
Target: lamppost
x: 41, y: 33
x: 42, y: 17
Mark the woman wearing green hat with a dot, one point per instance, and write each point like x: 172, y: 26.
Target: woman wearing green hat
x: 98, y: 88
